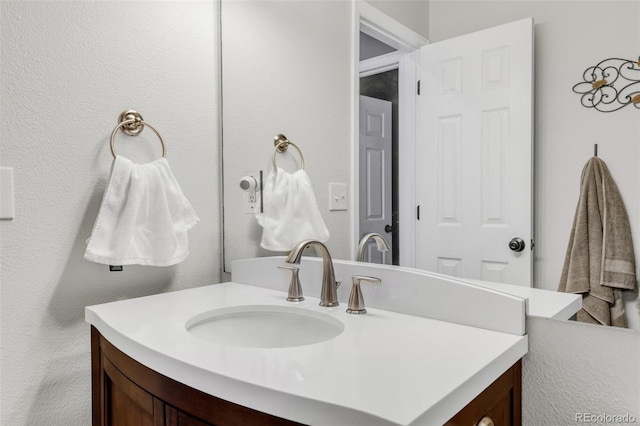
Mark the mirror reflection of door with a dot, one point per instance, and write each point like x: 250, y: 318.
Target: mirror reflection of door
x: 474, y: 173
x: 375, y: 175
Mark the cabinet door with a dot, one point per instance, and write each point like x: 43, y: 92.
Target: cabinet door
x: 176, y: 417
x: 127, y: 393
x: 500, y: 402
x: 125, y: 403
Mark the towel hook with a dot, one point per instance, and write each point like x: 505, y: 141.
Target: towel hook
x: 281, y: 144
x: 132, y: 123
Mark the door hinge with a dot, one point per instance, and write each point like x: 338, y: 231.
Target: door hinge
x: 418, y: 87
x: 533, y: 244
x: 418, y: 213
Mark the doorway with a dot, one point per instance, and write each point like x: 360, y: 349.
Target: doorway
x: 384, y: 86
x: 399, y: 56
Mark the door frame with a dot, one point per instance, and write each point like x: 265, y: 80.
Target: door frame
x: 378, y: 25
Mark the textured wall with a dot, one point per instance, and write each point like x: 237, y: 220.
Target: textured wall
x: 576, y: 369
x: 68, y: 70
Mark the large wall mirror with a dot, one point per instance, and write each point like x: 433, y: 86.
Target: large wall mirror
x: 288, y: 67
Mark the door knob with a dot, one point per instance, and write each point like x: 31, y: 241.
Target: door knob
x: 388, y: 229
x: 485, y: 421
x: 517, y: 244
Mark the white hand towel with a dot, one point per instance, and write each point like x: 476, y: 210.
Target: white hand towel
x: 143, y: 219
x: 291, y: 213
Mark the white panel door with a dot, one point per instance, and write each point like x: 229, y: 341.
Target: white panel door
x: 474, y: 155
x: 375, y: 174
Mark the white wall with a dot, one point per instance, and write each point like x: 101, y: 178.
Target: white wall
x: 286, y: 69
x: 68, y: 70
x: 570, y: 36
x: 414, y: 14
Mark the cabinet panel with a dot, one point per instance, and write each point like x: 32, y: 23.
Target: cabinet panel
x: 124, y: 402
x: 188, y: 406
x: 176, y: 417
x: 500, y: 401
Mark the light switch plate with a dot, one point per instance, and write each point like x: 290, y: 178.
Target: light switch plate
x: 6, y: 193
x: 338, y: 196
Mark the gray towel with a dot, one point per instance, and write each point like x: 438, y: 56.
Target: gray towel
x: 600, y: 260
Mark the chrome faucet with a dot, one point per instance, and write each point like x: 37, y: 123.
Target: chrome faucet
x: 379, y: 239
x: 329, y: 293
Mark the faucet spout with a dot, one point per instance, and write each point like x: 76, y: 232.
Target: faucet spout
x: 379, y: 239
x: 329, y: 292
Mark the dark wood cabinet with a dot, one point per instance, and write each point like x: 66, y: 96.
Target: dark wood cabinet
x: 176, y: 417
x: 500, y: 404
x: 127, y: 393
x: 126, y: 403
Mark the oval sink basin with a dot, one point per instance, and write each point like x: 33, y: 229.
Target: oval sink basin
x: 264, y: 326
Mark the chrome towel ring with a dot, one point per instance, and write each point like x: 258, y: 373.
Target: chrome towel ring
x: 281, y: 144
x: 131, y: 123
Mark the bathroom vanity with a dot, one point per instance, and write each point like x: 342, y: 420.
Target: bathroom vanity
x: 127, y: 392
x: 430, y: 350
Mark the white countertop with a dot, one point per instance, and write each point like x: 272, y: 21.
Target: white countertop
x: 540, y: 303
x: 386, y: 368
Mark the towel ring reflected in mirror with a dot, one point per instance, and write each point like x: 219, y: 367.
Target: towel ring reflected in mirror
x: 281, y: 144
x: 131, y: 123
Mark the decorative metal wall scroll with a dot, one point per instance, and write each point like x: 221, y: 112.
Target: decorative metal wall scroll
x: 610, y: 85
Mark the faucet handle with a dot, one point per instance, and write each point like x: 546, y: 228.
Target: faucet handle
x: 356, y: 301
x: 295, y: 289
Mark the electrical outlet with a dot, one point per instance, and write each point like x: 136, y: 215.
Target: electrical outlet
x: 338, y: 196
x: 251, y: 185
